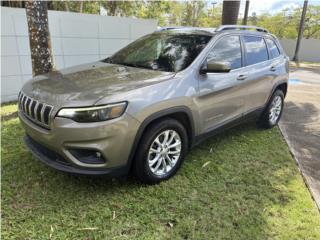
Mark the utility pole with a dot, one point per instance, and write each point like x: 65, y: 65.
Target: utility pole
x: 300, y: 33
x: 246, y: 11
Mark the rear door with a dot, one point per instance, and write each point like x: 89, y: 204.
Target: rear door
x: 221, y: 95
x: 261, y: 72
x: 278, y: 60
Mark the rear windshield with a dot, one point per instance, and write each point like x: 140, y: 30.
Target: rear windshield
x: 162, y: 51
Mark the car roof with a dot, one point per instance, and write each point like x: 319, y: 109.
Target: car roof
x: 213, y: 31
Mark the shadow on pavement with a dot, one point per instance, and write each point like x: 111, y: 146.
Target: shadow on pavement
x: 300, y: 124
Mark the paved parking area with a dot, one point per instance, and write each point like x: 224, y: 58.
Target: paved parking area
x: 300, y: 124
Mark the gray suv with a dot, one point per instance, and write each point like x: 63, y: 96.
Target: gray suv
x: 143, y: 108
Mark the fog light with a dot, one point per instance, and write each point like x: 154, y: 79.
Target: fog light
x: 88, y: 156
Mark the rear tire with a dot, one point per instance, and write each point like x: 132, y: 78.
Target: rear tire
x: 272, y: 114
x: 161, y: 151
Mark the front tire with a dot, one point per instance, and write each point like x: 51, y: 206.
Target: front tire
x: 272, y: 114
x: 161, y: 151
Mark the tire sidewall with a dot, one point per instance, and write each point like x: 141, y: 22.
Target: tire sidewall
x: 147, y: 140
x: 280, y: 94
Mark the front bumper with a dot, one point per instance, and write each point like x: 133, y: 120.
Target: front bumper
x: 56, y: 161
x: 113, y: 139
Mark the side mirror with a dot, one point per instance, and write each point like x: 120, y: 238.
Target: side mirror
x: 212, y: 66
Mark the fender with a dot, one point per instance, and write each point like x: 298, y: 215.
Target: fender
x: 155, y: 116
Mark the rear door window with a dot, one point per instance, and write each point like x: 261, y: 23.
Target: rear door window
x: 227, y: 50
x: 273, y: 49
x: 255, y: 49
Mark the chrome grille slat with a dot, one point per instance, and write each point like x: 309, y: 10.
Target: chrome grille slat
x: 19, y: 97
x: 31, y: 109
x: 35, y: 111
x: 28, y: 105
x: 42, y: 112
x: 19, y: 100
x: 25, y: 103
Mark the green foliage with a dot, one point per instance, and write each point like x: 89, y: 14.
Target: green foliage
x: 283, y: 24
x: 242, y: 184
x: 154, y: 9
x: 122, y: 8
x: 312, y: 23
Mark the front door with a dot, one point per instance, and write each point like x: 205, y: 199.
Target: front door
x: 221, y: 95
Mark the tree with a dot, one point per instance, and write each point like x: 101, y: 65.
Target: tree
x: 155, y: 9
x: 17, y: 4
x: 121, y: 8
x: 230, y: 12
x: 193, y: 12
x: 81, y: 7
x: 312, y: 22
x: 175, y: 15
x: 39, y: 37
x: 301, y: 28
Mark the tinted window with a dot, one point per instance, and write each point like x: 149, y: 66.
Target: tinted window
x: 274, y: 51
x: 228, y: 50
x: 170, y: 52
x: 256, y: 50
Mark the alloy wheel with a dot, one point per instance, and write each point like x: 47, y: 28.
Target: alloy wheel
x: 164, y: 152
x: 275, y: 109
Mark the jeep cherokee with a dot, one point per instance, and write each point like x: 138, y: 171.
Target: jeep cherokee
x: 144, y: 107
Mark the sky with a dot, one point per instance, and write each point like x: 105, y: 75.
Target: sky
x: 273, y: 6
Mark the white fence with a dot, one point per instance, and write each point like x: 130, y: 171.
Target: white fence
x: 309, y: 49
x: 75, y: 38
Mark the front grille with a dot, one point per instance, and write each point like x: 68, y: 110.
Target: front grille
x: 34, y: 110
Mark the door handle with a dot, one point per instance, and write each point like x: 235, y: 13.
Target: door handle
x: 273, y: 68
x: 241, y: 77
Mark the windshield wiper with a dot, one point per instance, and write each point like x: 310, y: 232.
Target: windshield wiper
x: 134, y: 65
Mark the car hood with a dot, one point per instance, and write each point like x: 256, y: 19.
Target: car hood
x: 86, y: 84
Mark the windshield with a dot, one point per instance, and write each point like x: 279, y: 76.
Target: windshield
x: 162, y: 51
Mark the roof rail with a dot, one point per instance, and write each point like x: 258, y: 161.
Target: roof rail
x: 241, y: 27
x: 211, y: 30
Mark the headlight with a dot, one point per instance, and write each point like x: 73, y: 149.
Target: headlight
x: 94, y: 114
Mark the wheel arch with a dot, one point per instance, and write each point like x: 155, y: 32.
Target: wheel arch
x: 283, y: 87
x: 181, y: 113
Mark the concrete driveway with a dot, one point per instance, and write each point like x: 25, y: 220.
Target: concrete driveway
x: 300, y: 124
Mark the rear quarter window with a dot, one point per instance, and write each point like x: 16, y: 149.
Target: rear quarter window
x: 273, y: 48
x: 255, y: 50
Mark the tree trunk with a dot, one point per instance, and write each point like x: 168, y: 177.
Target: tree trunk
x: 230, y: 12
x: 81, y: 7
x: 66, y: 5
x: 246, y: 11
x: 300, y: 34
x: 39, y: 37
x: 112, y: 8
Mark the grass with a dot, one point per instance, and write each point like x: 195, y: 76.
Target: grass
x: 242, y: 184
x: 8, y: 111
